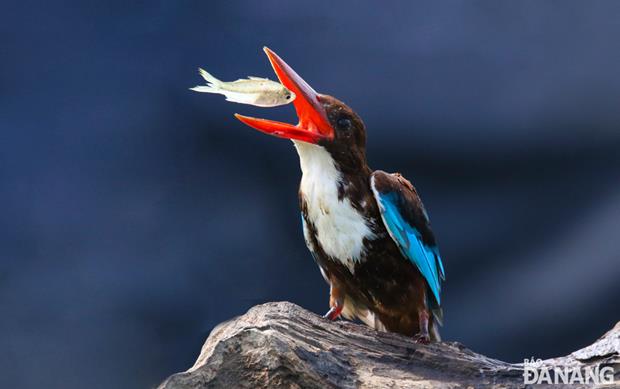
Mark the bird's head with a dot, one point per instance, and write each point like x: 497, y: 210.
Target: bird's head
x: 323, y: 120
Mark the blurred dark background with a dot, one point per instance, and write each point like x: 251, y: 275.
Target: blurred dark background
x: 137, y: 215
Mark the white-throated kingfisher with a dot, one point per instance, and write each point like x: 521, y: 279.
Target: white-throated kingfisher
x: 367, y: 230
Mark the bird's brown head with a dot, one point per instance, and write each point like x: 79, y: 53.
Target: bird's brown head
x: 323, y: 120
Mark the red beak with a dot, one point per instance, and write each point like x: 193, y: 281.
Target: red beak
x: 313, y: 124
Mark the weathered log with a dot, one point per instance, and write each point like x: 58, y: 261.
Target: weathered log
x: 280, y: 345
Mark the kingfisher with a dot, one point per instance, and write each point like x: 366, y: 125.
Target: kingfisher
x: 368, y: 231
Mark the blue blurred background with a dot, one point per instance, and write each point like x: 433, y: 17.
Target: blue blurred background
x: 137, y: 214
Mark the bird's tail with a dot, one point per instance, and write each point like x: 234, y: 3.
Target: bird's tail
x: 436, y: 318
x: 213, y: 84
x: 434, y: 329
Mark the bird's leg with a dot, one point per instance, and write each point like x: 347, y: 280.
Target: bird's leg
x: 336, y: 302
x: 333, y: 313
x: 423, y: 336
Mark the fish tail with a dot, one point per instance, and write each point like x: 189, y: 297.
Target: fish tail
x: 213, y: 84
x: 211, y: 81
x: 205, y: 89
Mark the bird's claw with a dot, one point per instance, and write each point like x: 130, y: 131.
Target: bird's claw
x: 421, y: 338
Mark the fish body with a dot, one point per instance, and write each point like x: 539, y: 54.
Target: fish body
x: 257, y: 91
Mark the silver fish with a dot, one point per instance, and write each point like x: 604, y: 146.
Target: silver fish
x: 257, y: 91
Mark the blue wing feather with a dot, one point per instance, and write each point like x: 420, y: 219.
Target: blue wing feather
x: 409, y: 240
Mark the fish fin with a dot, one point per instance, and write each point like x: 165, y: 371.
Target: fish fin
x: 242, y: 98
x: 258, y: 78
x: 211, y: 81
x: 235, y: 97
x: 206, y: 89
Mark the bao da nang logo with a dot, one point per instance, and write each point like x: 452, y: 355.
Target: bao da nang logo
x: 535, y: 372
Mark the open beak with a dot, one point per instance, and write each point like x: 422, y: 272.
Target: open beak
x: 313, y: 124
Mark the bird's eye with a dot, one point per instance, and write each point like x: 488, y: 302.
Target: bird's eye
x: 288, y: 97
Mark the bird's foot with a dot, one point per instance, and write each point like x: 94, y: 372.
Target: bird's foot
x: 422, y: 338
x: 333, y: 313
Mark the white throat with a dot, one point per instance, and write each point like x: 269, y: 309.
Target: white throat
x: 340, y: 228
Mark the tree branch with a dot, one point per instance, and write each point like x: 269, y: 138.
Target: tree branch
x: 280, y: 345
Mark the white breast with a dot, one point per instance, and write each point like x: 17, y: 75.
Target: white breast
x: 340, y: 228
